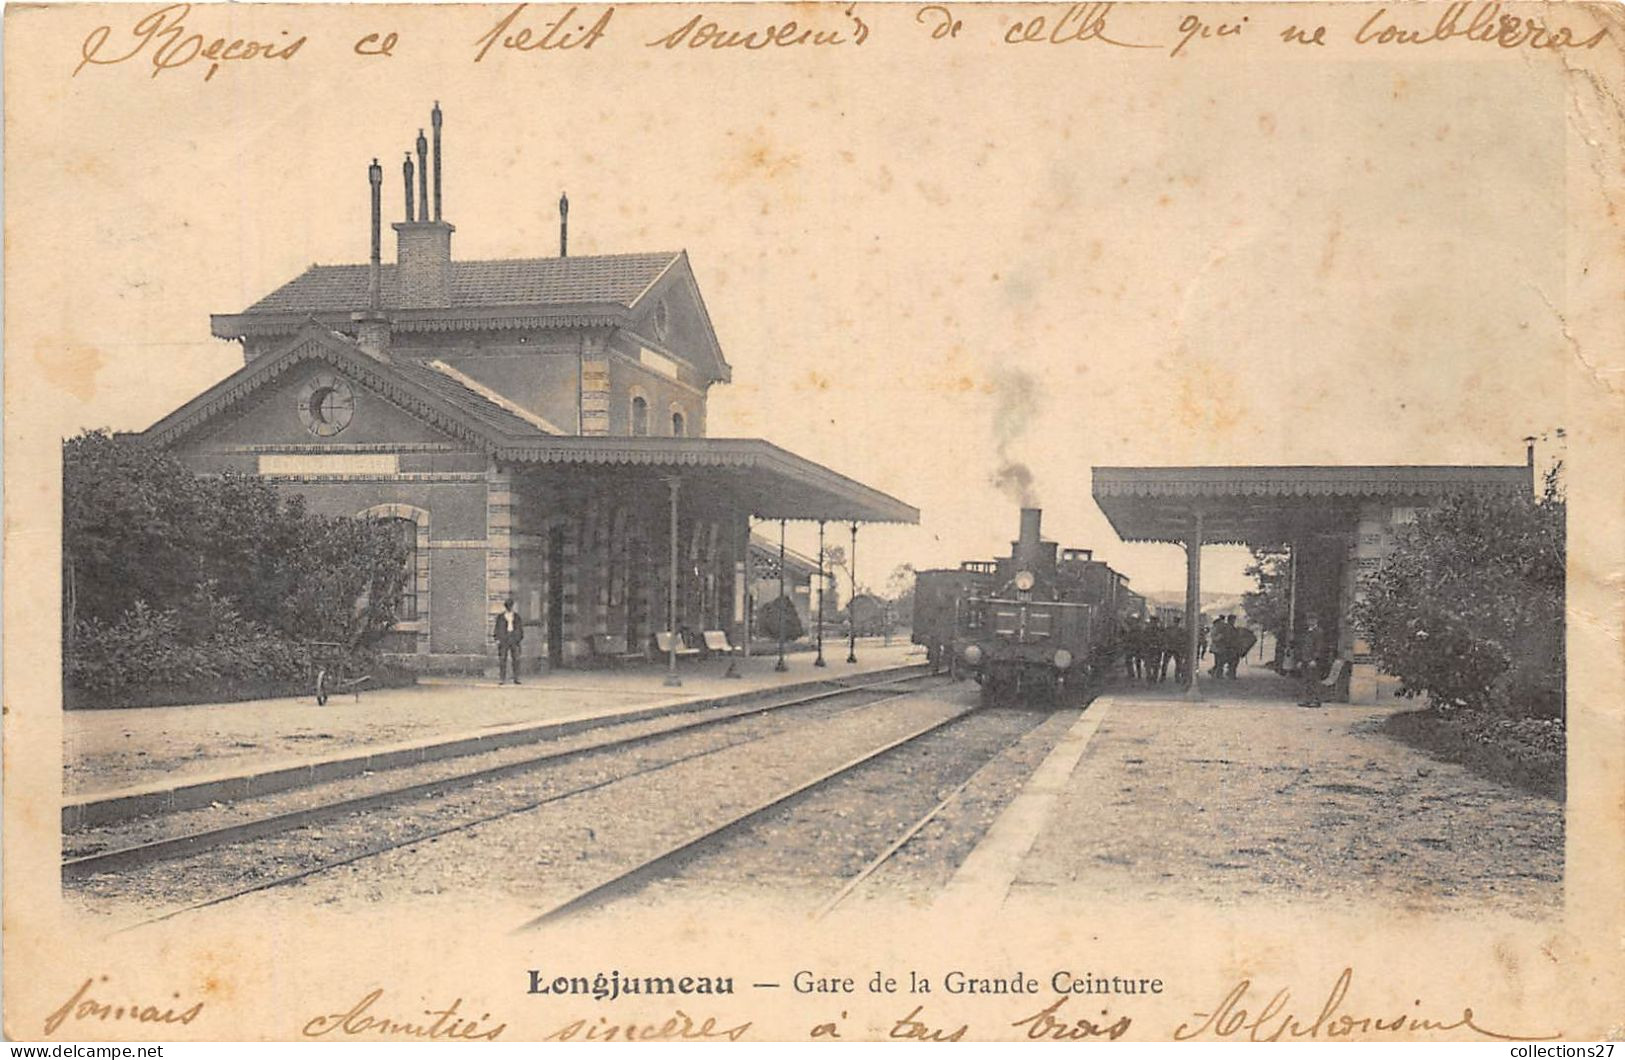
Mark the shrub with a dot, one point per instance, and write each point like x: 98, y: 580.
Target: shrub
x: 173, y: 580
x: 1468, y: 609
x: 780, y: 612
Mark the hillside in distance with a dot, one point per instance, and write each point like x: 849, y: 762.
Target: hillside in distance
x: 1212, y: 603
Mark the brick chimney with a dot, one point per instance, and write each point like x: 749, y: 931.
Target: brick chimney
x: 422, y: 246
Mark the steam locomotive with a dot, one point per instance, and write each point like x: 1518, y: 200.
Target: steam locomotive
x: 1032, y: 625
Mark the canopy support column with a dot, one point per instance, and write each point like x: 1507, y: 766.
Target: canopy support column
x: 749, y: 596
x: 822, y: 585
x: 779, y: 667
x: 744, y: 597
x: 1291, y: 645
x: 852, y: 602
x: 672, y: 680
x: 1193, y: 602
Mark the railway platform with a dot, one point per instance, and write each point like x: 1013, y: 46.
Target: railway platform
x: 1242, y: 796
x: 119, y: 763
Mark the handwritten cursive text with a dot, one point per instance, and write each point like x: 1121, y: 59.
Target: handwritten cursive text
x: 1487, y: 26
x: 1044, y: 1025
x: 680, y: 1027
x: 1275, y: 1022
x: 439, y: 1024
x: 82, y: 1006
x: 163, y: 36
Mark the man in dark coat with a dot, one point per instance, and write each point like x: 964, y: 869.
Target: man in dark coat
x: 509, y: 633
x: 1220, y: 642
x: 1242, y: 640
x: 1173, y: 649
x: 1131, y: 646
x: 1310, y: 644
x: 1151, y: 649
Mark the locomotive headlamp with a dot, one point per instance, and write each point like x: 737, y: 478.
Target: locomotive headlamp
x: 1063, y: 659
x: 973, y: 654
x: 1025, y: 581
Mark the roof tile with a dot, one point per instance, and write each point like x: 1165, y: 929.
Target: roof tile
x: 615, y: 279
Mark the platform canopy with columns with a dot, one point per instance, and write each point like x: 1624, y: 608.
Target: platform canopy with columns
x: 1347, y: 512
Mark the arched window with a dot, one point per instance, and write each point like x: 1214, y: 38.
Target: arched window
x: 677, y: 425
x: 412, y: 612
x: 640, y: 417
x: 407, y: 531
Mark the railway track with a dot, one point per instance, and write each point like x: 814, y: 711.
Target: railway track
x: 707, y: 839
x: 652, y: 868
x: 140, y: 854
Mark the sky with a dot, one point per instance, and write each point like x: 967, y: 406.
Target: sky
x: 922, y: 269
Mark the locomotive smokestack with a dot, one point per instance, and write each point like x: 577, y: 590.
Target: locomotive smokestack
x: 1027, y: 546
x: 1030, y: 520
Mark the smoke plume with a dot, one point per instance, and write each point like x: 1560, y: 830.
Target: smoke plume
x: 1016, y: 401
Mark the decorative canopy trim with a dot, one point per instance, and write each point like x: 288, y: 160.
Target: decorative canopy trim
x: 849, y: 498
x: 1261, y: 505
x: 1308, y: 480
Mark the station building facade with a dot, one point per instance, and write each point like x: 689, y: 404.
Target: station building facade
x: 534, y: 428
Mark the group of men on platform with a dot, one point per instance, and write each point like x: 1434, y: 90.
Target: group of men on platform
x: 1150, y: 647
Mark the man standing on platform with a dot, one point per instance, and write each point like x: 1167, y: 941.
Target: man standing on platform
x: 1151, y: 650
x: 1242, y: 640
x: 1173, y: 650
x: 1310, y: 644
x: 1132, y: 634
x: 509, y: 633
x: 1221, y: 646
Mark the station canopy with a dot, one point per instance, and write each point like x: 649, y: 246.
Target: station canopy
x: 770, y: 482
x: 1269, y: 506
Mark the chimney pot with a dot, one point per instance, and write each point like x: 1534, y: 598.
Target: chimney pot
x: 406, y: 171
x: 372, y: 326
x: 564, y: 225
x: 423, y: 178
x: 435, y: 119
x: 375, y: 181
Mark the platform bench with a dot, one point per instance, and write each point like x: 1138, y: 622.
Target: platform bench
x: 663, y: 643
x: 716, y: 642
x: 613, y: 649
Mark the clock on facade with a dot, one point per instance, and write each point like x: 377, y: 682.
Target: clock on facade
x: 326, y: 404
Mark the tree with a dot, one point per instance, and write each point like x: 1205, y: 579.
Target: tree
x: 1468, y: 609
x: 836, y: 563
x: 1269, y: 606
x: 900, y: 593
x: 172, y: 579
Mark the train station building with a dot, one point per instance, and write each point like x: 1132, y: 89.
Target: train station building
x: 535, y: 428
x: 1338, y: 523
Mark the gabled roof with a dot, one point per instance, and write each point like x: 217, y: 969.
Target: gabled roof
x: 766, y: 553
x: 768, y: 481
x: 606, y: 290
x: 421, y: 390
x: 608, y: 279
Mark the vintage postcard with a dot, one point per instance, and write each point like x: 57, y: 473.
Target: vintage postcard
x: 879, y: 521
